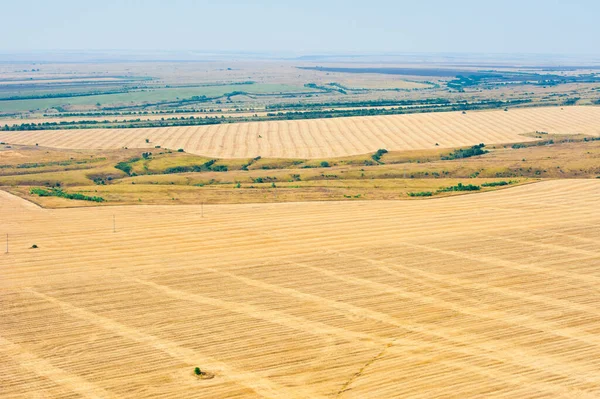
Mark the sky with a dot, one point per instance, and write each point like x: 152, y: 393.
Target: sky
x: 303, y: 26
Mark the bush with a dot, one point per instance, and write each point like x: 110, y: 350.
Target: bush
x: 124, y: 166
x: 421, y: 194
x: 466, y: 153
x: 196, y: 168
x: 460, y: 187
x: 219, y: 168
x: 180, y: 150
x: 197, y: 371
x: 57, y: 192
x: 324, y: 164
x: 497, y: 183
x: 377, y: 156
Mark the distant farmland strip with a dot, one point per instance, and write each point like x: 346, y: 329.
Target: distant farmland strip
x: 320, y: 138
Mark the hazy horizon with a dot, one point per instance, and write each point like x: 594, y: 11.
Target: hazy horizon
x: 311, y: 27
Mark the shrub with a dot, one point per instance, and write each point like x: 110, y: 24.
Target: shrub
x: 197, y: 371
x: 460, y: 187
x: 466, y: 153
x: 324, y: 164
x: 219, y: 168
x: 180, y: 150
x: 124, y: 166
x: 497, y: 183
x: 377, y: 156
x: 421, y: 194
x: 57, y: 192
x: 196, y: 168
x: 34, y: 246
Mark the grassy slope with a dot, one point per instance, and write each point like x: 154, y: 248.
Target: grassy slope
x: 347, y: 178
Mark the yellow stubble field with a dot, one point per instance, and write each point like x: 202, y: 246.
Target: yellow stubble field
x: 486, y: 295
x: 321, y: 138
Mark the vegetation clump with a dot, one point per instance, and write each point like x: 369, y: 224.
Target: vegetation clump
x: 245, y: 166
x: 203, y: 375
x: 466, y: 153
x: 377, y: 156
x: 497, y: 183
x: 421, y: 194
x: 57, y: 192
x: 460, y: 187
x: 125, y: 166
x: 207, y: 166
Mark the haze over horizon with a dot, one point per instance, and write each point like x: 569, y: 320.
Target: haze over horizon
x: 310, y: 27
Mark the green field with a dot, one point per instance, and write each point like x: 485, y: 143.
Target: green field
x: 147, y: 95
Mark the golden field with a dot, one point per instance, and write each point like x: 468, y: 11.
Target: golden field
x: 488, y: 295
x: 319, y: 138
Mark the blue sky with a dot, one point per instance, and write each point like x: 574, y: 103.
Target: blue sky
x: 304, y: 26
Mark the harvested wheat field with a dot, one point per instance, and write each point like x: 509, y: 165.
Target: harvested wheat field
x: 486, y: 295
x: 318, y: 138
